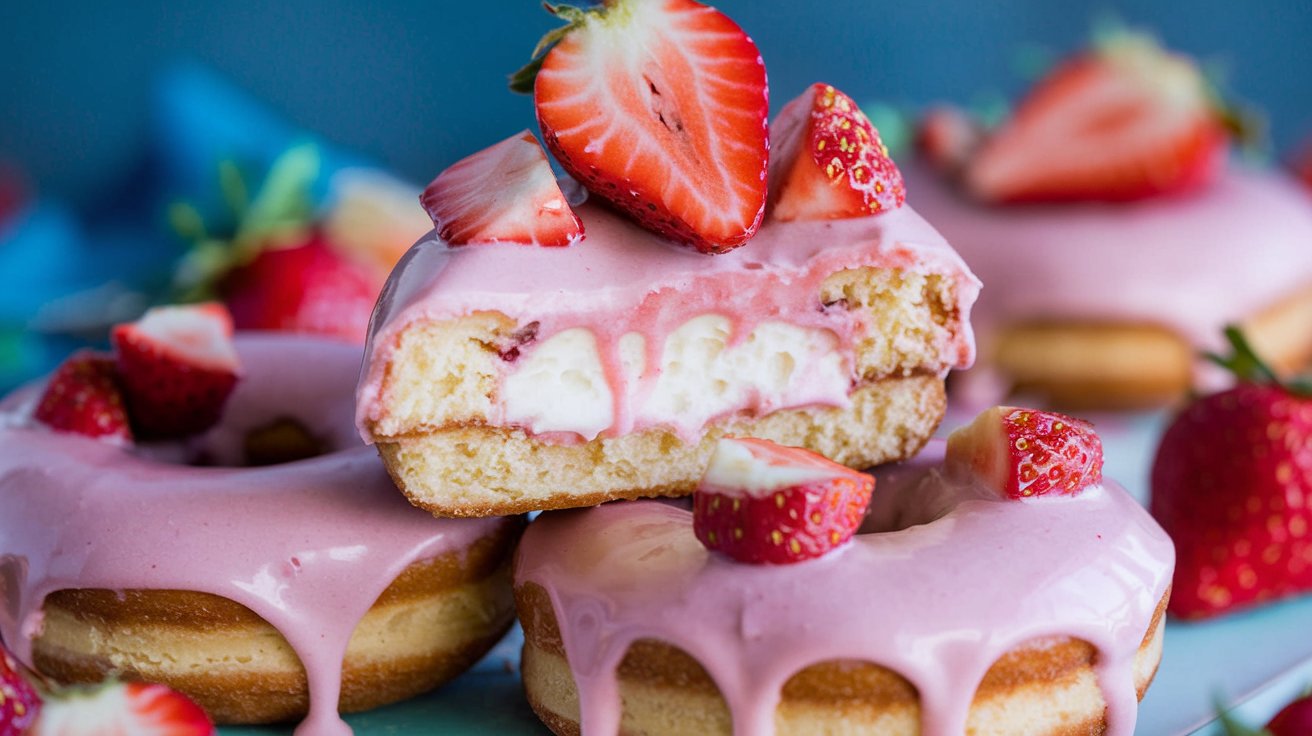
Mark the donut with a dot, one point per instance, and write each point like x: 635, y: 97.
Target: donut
x: 1108, y: 306
x: 501, y: 378
x: 950, y: 612
x: 266, y: 593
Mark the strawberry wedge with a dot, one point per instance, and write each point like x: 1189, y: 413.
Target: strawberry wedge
x: 829, y: 161
x: 177, y: 366
x: 659, y: 107
x: 505, y: 193
x: 763, y: 503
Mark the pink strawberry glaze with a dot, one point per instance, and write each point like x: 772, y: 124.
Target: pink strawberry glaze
x: 938, y: 602
x: 621, y: 278
x: 1191, y: 263
x: 308, y: 546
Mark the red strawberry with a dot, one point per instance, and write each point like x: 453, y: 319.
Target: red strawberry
x: 122, y: 709
x: 1232, y: 485
x: 307, y: 287
x: 829, y: 161
x: 764, y: 503
x: 1022, y: 453
x: 19, y: 702
x: 660, y: 107
x: 947, y: 138
x: 84, y: 396
x: 505, y: 193
x: 1122, y: 122
x: 178, y: 366
x: 1294, y: 719
x: 1303, y: 164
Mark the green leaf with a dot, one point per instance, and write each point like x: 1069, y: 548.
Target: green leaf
x: 283, y: 201
x: 233, y: 187
x: 1233, y: 727
x: 186, y: 221
x: 522, y: 80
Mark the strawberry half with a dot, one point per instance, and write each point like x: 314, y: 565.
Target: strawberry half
x: 829, y: 161
x: 135, y: 708
x: 19, y: 702
x: 1122, y: 122
x: 177, y: 366
x: 763, y: 503
x: 1023, y: 453
x: 505, y: 193
x: 659, y: 107
x: 1232, y: 485
x: 947, y: 137
x: 84, y: 397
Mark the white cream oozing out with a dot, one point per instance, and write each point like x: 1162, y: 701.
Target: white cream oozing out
x: 701, y: 372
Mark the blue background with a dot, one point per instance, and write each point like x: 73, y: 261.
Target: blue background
x: 417, y: 84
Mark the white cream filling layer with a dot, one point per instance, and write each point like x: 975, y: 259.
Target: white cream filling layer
x: 561, y: 384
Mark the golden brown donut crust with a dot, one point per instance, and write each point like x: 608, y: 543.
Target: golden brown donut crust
x: 477, y: 577
x: 1103, y: 364
x: 842, y: 686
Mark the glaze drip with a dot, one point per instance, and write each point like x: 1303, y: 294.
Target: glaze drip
x: 308, y: 546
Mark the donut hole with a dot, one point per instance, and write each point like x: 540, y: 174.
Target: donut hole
x: 914, y: 495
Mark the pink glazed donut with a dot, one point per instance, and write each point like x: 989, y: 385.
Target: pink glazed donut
x: 244, y: 587
x: 951, y: 613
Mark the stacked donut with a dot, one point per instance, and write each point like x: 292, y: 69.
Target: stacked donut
x: 535, y: 353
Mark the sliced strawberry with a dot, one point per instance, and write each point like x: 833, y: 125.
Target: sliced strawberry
x: 177, y: 365
x: 505, y: 193
x: 660, y: 107
x: 135, y: 708
x: 829, y: 161
x: 19, y: 702
x: 84, y: 396
x: 764, y: 503
x: 1122, y: 122
x: 1231, y: 484
x: 947, y: 137
x: 1023, y: 453
x: 307, y: 288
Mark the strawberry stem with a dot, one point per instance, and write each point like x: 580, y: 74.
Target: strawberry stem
x: 1248, y: 366
x: 522, y: 80
x: 281, y: 208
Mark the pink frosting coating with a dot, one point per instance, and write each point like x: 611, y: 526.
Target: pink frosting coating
x: 309, y: 545
x: 938, y: 602
x: 621, y: 278
x: 1190, y: 263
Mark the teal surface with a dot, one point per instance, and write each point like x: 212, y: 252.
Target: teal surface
x: 1249, y: 660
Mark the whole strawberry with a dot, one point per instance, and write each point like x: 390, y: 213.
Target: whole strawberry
x: 763, y: 503
x: 1232, y: 485
x: 1294, y: 719
x: 84, y: 396
x: 275, y: 268
x: 307, y: 287
x: 19, y: 702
